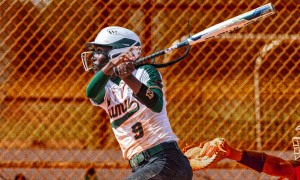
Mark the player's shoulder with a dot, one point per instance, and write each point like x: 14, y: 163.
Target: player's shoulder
x: 147, y: 67
x: 150, y: 70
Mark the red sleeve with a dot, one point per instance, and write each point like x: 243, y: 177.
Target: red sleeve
x: 296, y: 164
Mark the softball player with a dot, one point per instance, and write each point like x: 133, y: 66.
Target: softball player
x: 135, y: 102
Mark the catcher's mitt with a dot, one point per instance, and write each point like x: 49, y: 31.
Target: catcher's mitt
x: 206, y: 155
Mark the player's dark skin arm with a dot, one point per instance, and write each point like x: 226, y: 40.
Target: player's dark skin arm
x: 273, y: 165
x: 140, y: 90
x: 127, y: 77
x: 133, y: 83
x: 130, y: 80
x: 103, y: 72
x: 95, y: 89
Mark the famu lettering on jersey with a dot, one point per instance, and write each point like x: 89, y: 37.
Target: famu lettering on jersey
x: 122, y: 110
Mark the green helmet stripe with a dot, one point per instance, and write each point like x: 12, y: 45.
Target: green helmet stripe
x: 123, y: 43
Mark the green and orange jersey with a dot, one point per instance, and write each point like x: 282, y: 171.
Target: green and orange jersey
x: 136, y: 127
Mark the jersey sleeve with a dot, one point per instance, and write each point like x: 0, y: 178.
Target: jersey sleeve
x: 96, y: 88
x: 152, y: 79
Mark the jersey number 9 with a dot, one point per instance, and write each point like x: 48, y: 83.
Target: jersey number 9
x: 137, y: 129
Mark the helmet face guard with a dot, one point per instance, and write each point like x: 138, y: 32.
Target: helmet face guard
x: 88, y: 60
x: 296, y: 144
x: 120, y: 40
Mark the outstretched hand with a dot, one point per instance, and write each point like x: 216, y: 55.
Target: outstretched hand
x: 231, y: 152
x: 206, y: 155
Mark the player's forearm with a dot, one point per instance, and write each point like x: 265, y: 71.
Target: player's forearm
x: 151, y: 98
x: 261, y: 162
x: 277, y: 166
x: 99, y: 81
x: 133, y: 83
x: 253, y: 159
x: 235, y: 154
x: 97, y: 84
x: 108, y: 68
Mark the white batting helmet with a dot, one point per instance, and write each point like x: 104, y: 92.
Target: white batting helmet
x: 121, y: 40
x: 296, y: 143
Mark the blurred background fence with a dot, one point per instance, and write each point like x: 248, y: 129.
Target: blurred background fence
x: 244, y: 86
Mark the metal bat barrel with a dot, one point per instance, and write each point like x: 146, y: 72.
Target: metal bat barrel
x: 218, y: 30
x: 233, y: 24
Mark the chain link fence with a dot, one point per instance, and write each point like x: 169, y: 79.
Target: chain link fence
x: 244, y: 86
